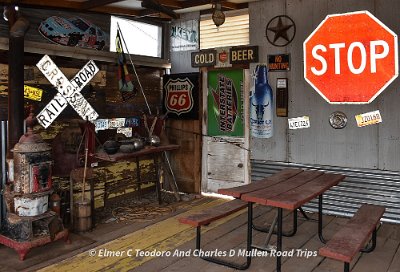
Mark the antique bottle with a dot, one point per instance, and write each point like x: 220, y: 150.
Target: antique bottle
x: 261, y: 105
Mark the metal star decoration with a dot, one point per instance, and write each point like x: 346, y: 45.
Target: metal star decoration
x: 280, y: 30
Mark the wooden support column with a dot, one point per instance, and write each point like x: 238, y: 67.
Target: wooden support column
x: 16, y: 82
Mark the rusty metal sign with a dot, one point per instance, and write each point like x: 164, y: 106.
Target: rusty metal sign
x: 68, y: 91
x: 33, y: 93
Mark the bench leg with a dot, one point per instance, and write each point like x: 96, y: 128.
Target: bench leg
x: 320, y: 223
x: 346, y: 267
x: 373, y: 244
x: 272, y: 227
x: 248, y: 246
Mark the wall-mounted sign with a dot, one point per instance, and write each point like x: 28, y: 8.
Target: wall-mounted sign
x: 299, y: 122
x: 73, y: 32
x: 101, y: 124
x: 279, y: 62
x: 69, y: 92
x: 181, y: 95
x: 350, y: 58
x: 244, y: 54
x: 127, y: 131
x: 33, y: 93
x: 369, y: 118
x: 184, y: 35
x: 203, y: 58
x: 225, y: 112
x: 116, y: 123
x: 223, y: 59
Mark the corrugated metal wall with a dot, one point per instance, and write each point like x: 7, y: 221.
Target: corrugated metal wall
x: 360, y: 186
x: 3, y: 150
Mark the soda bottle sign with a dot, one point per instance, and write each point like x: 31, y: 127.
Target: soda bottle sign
x: 261, y: 105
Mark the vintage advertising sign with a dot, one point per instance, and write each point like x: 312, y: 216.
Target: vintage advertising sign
x: 68, y: 91
x: 73, y: 32
x: 350, y: 58
x: 222, y: 58
x: 225, y: 103
x: 204, y: 58
x: 184, y: 35
x: 369, y: 118
x: 279, y: 62
x: 33, y: 93
x: 299, y: 122
x: 243, y: 54
x: 181, y: 96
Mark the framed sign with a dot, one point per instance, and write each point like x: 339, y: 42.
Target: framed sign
x: 184, y: 35
x: 279, y: 62
x: 181, y: 96
x: 225, y: 103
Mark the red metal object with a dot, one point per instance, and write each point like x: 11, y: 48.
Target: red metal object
x: 22, y: 248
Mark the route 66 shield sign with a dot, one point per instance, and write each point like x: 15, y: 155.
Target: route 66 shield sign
x: 179, y: 92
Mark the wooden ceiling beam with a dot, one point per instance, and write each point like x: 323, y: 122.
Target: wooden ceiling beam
x: 67, y: 5
x: 97, y: 3
x: 171, y: 3
x: 194, y: 3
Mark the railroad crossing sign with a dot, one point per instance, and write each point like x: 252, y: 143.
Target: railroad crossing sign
x: 69, y: 92
x: 350, y: 58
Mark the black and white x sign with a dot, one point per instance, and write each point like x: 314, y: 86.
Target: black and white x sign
x: 69, y: 92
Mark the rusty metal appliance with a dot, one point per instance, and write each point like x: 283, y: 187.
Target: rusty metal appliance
x: 29, y: 222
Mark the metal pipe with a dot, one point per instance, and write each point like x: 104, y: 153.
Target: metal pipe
x: 3, y: 130
x: 16, y: 83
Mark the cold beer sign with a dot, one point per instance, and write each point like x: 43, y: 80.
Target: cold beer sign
x: 350, y: 58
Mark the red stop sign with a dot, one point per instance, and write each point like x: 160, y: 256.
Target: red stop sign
x: 350, y: 58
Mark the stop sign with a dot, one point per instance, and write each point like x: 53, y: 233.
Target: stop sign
x: 350, y: 58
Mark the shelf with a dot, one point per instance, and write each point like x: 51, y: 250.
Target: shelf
x: 84, y: 54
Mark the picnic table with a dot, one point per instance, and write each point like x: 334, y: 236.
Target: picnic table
x: 288, y: 189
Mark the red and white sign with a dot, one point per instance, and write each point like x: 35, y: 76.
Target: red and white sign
x: 350, y: 58
x: 178, y: 98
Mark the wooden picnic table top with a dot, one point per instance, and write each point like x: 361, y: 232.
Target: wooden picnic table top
x: 287, y: 189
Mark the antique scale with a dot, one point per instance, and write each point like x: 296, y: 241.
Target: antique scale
x: 29, y: 223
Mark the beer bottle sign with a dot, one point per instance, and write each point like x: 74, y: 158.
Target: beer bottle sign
x: 261, y: 104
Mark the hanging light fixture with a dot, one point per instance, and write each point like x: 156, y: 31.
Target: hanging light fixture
x: 218, y: 16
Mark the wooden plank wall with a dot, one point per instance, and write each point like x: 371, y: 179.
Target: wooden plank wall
x: 186, y: 133
x: 375, y: 147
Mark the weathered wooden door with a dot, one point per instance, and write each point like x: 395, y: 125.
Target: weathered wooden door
x: 225, y: 127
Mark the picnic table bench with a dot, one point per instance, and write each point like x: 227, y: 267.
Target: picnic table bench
x: 352, y: 237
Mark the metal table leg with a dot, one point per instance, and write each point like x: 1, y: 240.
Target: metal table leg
x: 248, y: 245
x: 279, y: 242
x: 320, y: 235
x: 272, y: 227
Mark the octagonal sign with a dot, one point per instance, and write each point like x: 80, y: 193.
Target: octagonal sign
x: 350, y: 58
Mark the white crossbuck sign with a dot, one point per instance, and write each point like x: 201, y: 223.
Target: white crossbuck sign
x: 69, y: 92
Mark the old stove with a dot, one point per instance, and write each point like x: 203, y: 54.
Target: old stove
x: 29, y: 223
